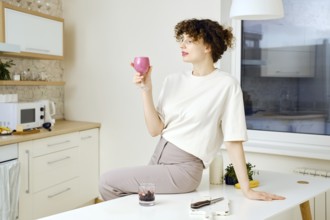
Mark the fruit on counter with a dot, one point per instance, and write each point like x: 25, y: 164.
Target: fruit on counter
x: 5, y: 130
x: 253, y: 184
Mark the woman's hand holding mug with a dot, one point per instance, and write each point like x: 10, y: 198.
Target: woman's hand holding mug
x: 143, y: 68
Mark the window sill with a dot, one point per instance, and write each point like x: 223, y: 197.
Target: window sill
x: 288, y: 144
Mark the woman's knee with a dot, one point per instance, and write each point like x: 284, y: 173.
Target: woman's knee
x: 111, y: 186
x: 103, y: 187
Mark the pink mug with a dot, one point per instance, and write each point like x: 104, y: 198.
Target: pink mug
x: 141, y: 64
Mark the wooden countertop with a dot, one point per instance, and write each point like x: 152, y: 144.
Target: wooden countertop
x: 61, y: 127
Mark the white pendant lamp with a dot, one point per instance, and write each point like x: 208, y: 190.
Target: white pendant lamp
x: 256, y: 9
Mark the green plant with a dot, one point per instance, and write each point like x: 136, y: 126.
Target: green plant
x: 4, y: 72
x: 230, y: 175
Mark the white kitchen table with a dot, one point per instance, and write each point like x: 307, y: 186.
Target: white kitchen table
x: 177, y: 206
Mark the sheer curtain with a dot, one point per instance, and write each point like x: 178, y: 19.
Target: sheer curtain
x: 9, y: 188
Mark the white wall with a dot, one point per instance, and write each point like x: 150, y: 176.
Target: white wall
x: 101, y: 38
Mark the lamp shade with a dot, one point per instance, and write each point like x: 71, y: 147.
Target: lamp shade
x: 256, y: 9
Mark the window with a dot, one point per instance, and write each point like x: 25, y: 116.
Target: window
x: 285, y: 70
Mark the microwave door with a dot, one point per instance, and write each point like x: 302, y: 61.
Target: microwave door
x: 28, y: 118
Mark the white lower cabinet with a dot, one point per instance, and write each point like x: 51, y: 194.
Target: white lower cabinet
x: 89, y: 163
x: 58, y: 173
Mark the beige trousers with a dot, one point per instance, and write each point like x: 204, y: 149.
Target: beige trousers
x: 171, y: 169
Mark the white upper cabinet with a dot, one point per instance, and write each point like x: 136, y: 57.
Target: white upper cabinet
x: 33, y: 33
x: 298, y: 61
x: 38, y: 35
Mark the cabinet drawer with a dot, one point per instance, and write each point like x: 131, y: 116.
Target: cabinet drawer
x: 56, y: 143
x: 57, y: 199
x: 90, y: 135
x: 54, y: 168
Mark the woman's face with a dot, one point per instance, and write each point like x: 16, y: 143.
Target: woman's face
x: 193, y: 51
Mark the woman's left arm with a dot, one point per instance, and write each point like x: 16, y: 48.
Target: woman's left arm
x: 237, y: 157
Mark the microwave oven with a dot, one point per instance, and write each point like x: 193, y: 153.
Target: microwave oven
x: 28, y: 115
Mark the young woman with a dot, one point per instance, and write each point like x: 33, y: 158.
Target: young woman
x: 197, y: 112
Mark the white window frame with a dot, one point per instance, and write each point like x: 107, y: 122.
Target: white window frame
x: 277, y: 143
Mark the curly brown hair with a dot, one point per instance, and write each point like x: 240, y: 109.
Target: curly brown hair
x: 211, y: 32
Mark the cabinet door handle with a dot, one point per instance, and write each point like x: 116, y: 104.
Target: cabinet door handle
x: 86, y: 137
x: 59, y: 193
x: 58, y: 160
x: 28, y: 171
x: 293, y: 72
x: 59, y: 143
x: 37, y: 50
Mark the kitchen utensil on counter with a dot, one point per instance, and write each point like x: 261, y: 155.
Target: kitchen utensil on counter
x: 49, y: 111
x: 47, y: 125
x: 200, y: 204
x: 32, y: 131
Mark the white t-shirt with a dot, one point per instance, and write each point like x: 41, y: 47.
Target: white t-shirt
x: 200, y: 112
